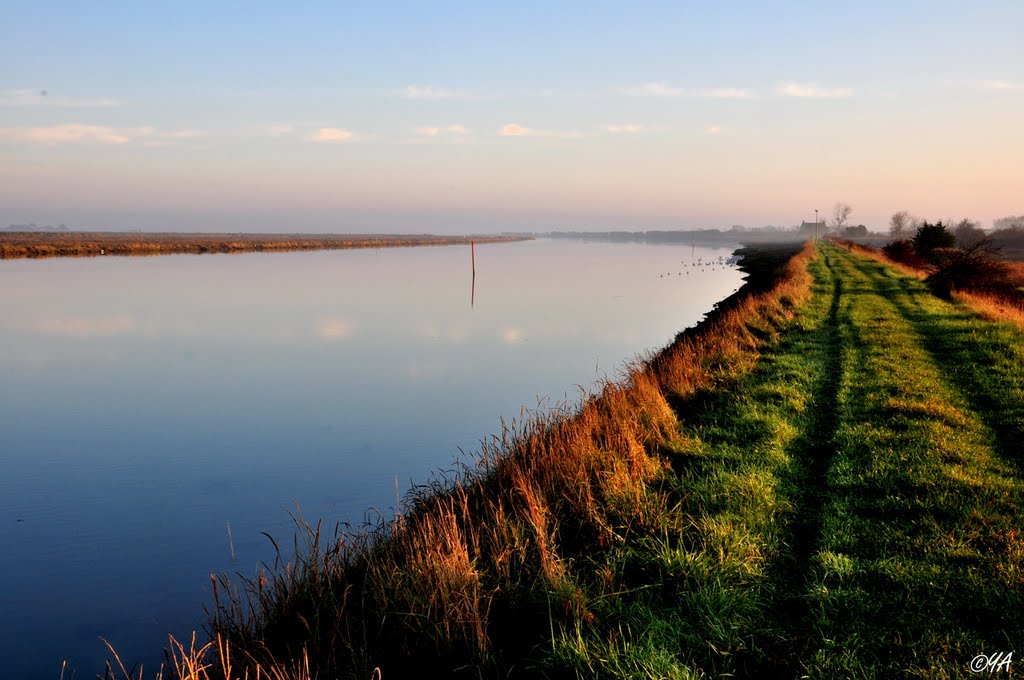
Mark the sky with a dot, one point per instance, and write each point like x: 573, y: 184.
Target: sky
x: 478, y: 117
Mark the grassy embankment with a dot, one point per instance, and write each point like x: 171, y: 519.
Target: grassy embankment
x: 1005, y: 304
x: 823, y: 482
x: 89, y: 244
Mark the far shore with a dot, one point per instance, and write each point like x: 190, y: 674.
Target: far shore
x: 28, y: 244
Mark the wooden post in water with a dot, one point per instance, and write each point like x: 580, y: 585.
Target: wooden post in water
x: 472, y: 294
x: 472, y: 250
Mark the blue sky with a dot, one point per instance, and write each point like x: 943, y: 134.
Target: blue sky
x: 459, y: 117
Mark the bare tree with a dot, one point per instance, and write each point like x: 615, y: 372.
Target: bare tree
x: 968, y: 233
x: 840, y: 213
x: 1009, y: 222
x: 900, y: 224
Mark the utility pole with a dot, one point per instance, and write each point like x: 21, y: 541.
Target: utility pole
x: 815, y: 224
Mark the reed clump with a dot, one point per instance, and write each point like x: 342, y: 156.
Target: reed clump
x: 481, y: 569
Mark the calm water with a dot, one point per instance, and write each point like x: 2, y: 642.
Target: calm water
x: 156, y: 411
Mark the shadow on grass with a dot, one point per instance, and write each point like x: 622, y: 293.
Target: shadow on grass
x: 982, y: 361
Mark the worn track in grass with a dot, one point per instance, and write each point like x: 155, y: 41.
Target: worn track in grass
x: 896, y: 421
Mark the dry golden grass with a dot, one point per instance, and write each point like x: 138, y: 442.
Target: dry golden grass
x: 91, y: 244
x: 486, y: 555
x: 992, y: 308
x: 211, y: 661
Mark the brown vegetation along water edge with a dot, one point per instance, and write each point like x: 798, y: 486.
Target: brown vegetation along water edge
x: 481, y: 570
x: 92, y: 244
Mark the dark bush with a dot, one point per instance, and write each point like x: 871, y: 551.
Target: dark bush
x: 903, y: 252
x: 977, y: 268
x: 930, y: 238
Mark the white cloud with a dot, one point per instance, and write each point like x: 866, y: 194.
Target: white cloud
x: 182, y: 134
x: 1003, y: 85
x: 517, y: 130
x: 43, y: 99
x: 78, y: 133
x: 428, y: 93
x: 623, y: 128
x: 68, y: 133
x: 331, y: 135
x: 658, y: 89
x: 442, y: 131
x: 661, y: 89
x: 723, y: 93
x: 556, y: 94
x: 812, y: 91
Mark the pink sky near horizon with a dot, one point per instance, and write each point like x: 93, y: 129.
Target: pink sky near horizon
x: 477, y: 121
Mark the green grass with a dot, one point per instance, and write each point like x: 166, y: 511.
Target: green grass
x: 851, y: 507
x: 924, y: 488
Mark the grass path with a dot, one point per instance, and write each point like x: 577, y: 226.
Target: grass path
x: 851, y: 507
x: 919, y: 564
x: 902, y: 544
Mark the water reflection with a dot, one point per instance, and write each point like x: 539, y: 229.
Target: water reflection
x: 148, y: 404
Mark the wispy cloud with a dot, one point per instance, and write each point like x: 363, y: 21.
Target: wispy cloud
x: 1003, y: 85
x: 43, y: 99
x: 428, y: 93
x: 73, y: 133
x: 275, y: 130
x: 153, y: 138
x: 662, y: 89
x: 182, y: 134
x: 517, y: 130
x: 658, y: 89
x: 722, y: 93
x: 812, y: 91
x: 78, y: 133
x: 623, y: 128
x: 330, y: 134
x: 442, y: 131
x: 556, y: 94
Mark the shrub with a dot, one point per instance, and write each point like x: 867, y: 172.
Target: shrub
x: 930, y: 238
x: 902, y: 251
x: 976, y: 268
